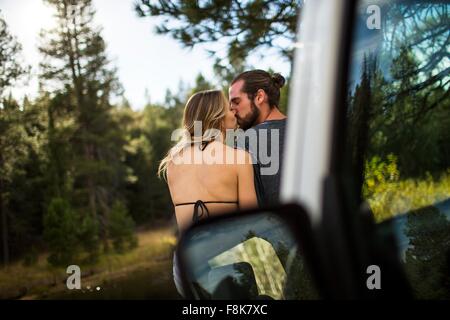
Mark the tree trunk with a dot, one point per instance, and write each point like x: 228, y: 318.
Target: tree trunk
x: 3, y: 213
x: 77, y: 81
x: 90, y: 184
x: 103, y: 201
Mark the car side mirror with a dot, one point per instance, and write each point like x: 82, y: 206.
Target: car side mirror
x: 251, y: 254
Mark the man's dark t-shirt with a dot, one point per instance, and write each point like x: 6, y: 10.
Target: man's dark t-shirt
x: 265, y: 142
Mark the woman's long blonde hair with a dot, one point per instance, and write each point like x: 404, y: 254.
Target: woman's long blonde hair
x: 209, y: 107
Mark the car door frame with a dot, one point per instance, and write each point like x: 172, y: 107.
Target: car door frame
x: 344, y: 233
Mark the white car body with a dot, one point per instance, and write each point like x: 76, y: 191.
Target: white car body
x: 311, y: 104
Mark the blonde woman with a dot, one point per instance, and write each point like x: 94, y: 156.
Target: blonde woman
x: 205, y: 176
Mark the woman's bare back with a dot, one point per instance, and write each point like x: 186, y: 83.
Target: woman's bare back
x: 212, y: 179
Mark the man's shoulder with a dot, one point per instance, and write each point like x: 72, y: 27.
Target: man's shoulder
x: 271, y: 124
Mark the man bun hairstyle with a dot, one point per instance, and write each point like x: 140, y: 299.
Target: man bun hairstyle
x: 278, y: 80
x: 260, y: 79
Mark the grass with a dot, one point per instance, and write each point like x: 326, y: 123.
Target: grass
x: 389, y: 193
x: 144, y: 272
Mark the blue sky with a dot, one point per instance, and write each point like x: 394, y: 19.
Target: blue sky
x: 145, y: 61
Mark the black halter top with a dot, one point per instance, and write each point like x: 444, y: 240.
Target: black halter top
x: 200, y: 209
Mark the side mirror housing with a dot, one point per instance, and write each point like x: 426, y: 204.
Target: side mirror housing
x: 252, y: 254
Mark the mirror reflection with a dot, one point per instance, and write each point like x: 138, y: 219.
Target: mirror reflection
x: 248, y: 257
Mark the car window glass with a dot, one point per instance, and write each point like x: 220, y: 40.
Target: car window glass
x: 398, y: 130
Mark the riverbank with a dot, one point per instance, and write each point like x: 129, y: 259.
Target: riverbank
x: 142, y: 273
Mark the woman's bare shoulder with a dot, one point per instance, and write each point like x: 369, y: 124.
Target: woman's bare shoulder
x: 243, y: 157
x: 171, y: 170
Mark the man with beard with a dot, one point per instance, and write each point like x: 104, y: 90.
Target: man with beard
x: 254, y: 98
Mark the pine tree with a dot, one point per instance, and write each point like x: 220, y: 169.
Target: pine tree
x: 242, y: 27
x: 11, y: 134
x: 60, y: 232
x: 76, y: 69
x: 11, y: 68
x: 12, y: 152
x: 121, y: 228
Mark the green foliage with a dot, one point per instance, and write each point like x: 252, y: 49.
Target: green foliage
x: 121, y: 228
x: 85, y: 142
x: 426, y: 263
x: 388, y: 194
x: 31, y: 257
x: 12, y: 137
x: 148, y: 139
x: 406, y: 162
x: 379, y: 173
x: 11, y: 68
x: 72, y: 143
x: 399, y: 128
x: 284, y: 97
x: 88, y: 235
x: 243, y: 26
x: 60, y: 232
x: 22, y: 178
x: 201, y: 84
x: 399, y: 114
